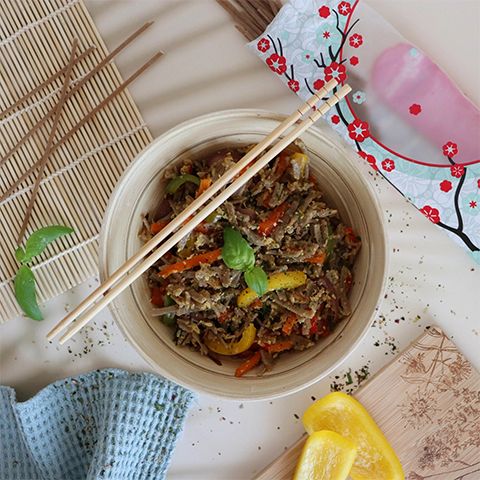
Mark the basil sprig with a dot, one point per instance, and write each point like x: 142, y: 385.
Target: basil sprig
x: 25, y: 290
x: 239, y: 255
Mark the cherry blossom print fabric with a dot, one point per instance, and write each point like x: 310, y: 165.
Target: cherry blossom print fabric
x: 405, y: 117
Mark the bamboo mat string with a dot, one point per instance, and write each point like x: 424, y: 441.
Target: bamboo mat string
x: 75, y: 163
x: 38, y: 22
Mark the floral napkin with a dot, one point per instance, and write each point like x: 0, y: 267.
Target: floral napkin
x: 405, y: 116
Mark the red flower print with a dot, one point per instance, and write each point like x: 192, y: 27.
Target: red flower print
x: 431, y: 213
x: 336, y: 121
x: 354, y: 61
x: 370, y: 159
x: 415, y: 109
x: 324, y: 12
x: 478, y: 183
x: 450, y: 149
x: 334, y: 70
x: 388, y: 165
x: 318, y: 84
x: 446, y: 186
x: 344, y: 8
x: 355, y: 40
x: 263, y: 45
x: 473, y: 204
x: 358, y: 130
x: 326, y: 35
x: 294, y: 85
x: 457, y: 171
x: 277, y: 63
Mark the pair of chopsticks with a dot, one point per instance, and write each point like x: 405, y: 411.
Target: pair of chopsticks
x: 66, y: 94
x: 149, y: 256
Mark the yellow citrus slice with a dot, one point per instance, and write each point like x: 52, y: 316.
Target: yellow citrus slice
x: 247, y: 340
x: 340, y: 413
x: 325, y: 456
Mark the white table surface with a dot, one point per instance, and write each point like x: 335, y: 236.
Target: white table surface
x: 206, y: 68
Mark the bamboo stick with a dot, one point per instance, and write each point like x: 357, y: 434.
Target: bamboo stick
x: 48, y: 148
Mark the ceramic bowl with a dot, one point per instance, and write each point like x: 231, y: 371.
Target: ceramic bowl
x: 140, y: 191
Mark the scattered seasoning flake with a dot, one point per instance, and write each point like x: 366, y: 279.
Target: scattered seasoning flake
x: 296, y: 416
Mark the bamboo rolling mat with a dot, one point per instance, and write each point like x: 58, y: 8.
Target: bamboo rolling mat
x: 35, y: 42
x: 427, y: 404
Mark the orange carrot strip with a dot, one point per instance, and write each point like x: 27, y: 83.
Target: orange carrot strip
x: 318, y: 258
x: 279, y: 346
x: 244, y: 169
x: 269, y: 225
x: 288, y: 325
x: 204, y: 184
x: 246, y: 366
x: 157, y: 227
x: 282, y: 164
x: 195, y: 261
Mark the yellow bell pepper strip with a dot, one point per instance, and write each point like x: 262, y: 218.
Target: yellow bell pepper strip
x: 195, y: 261
x: 270, y: 224
x: 247, y: 340
x: 177, y: 182
x: 299, y: 162
x: 277, y: 281
x: 326, y: 456
x: 246, y: 366
x: 342, y: 414
x: 204, y: 184
x: 279, y: 346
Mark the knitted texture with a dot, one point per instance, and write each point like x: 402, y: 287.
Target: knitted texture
x: 106, y: 424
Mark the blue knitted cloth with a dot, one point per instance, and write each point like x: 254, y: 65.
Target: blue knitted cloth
x: 99, y: 425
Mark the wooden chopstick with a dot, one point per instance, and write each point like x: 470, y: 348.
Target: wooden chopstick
x: 48, y: 146
x: 49, y: 80
x: 201, y: 215
x: 194, y: 206
x: 76, y: 88
x: 82, y: 122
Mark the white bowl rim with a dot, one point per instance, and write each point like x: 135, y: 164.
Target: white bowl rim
x: 253, y: 396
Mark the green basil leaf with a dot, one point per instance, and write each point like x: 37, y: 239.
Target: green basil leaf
x: 20, y: 254
x: 25, y: 293
x: 236, y: 252
x: 38, y: 241
x: 257, y: 280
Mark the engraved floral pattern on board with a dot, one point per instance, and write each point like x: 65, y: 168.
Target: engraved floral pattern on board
x: 437, y: 373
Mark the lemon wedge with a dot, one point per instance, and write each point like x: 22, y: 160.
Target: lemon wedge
x: 340, y: 413
x: 325, y: 456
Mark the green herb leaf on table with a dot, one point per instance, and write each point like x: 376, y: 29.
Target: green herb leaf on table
x: 25, y: 293
x: 257, y: 280
x: 20, y: 254
x: 24, y: 285
x: 236, y: 252
x: 39, y: 240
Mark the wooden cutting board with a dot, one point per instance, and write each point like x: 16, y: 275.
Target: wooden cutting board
x: 427, y: 404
